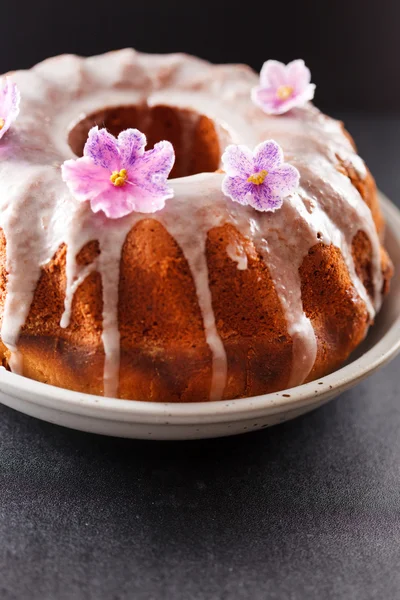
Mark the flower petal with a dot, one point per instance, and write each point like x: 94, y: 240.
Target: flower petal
x: 237, y: 188
x: 131, y: 144
x: 84, y: 179
x: 264, y: 199
x: 151, y: 170
x: 113, y: 201
x: 273, y: 73
x: 264, y: 97
x: 269, y: 102
x: 117, y: 202
x: 268, y: 155
x: 9, y: 104
x: 298, y: 74
x: 102, y: 148
x: 238, y: 161
x: 284, y: 180
x: 148, y: 203
x: 306, y: 96
x: 295, y: 101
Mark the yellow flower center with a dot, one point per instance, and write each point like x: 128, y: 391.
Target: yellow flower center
x: 258, y: 178
x: 119, y: 178
x: 284, y: 92
x: 2, y: 123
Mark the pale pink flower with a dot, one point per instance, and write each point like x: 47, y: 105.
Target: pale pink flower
x: 117, y: 176
x: 283, y: 87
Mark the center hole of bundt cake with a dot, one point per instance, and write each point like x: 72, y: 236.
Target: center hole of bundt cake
x: 194, y: 136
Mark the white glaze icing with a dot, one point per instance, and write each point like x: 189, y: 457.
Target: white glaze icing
x: 237, y: 253
x: 61, y: 91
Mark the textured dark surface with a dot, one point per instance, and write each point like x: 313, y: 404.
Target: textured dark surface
x: 306, y: 510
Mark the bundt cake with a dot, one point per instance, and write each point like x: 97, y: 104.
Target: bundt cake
x: 207, y: 298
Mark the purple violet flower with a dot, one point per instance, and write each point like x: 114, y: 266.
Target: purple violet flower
x: 260, y: 178
x: 9, y: 104
x: 283, y: 87
x: 117, y: 176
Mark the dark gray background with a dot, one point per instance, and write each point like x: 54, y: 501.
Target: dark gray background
x: 352, y: 46
x: 309, y: 509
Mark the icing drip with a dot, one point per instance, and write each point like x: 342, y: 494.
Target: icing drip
x: 179, y: 220
x: 196, y: 257
x: 23, y: 259
x: 75, y: 238
x: 74, y: 280
x: 237, y: 253
x: 109, y: 264
x: 84, y: 227
x: 36, y: 208
x: 283, y: 255
x: 340, y: 213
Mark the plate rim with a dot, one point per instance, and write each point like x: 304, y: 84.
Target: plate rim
x: 187, y: 413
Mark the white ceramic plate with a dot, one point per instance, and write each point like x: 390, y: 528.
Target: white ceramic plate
x: 125, y: 418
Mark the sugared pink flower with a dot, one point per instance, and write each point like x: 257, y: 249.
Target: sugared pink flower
x: 260, y: 178
x: 117, y: 176
x: 9, y: 104
x: 283, y: 87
